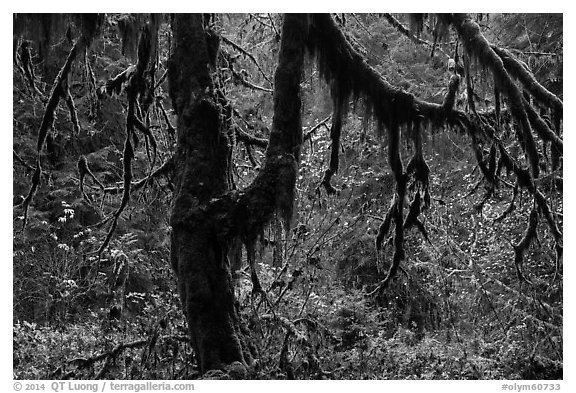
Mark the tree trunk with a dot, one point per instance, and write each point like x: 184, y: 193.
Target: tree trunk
x: 198, y: 254
x: 207, y: 217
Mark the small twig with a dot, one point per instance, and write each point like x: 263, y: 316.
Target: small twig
x: 315, y: 128
x: 28, y: 167
x: 161, y: 79
x: 136, y: 185
x: 247, y: 83
x: 250, y: 55
x: 171, y: 129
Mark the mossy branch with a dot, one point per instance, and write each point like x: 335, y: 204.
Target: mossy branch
x: 405, y: 31
x: 134, y: 84
x: 477, y: 45
x: 335, y: 132
x: 47, y: 123
x: 521, y: 71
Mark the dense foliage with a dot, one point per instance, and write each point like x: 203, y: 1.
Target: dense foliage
x: 95, y: 297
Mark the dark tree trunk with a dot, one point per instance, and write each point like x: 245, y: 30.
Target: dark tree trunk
x: 208, y: 217
x: 198, y: 255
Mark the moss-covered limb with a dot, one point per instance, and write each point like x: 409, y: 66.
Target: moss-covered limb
x: 149, y: 139
x: 72, y: 110
x: 497, y: 108
x: 547, y: 213
x: 542, y: 129
x: 148, y: 83
x: 405, y: 31
x: 90, y: 72
x: 132, y: 90
x: 477, y: 45
x: 417, y: 167
x: 251, y: 140
x: 510, y: 207
x: 417, y: 204
x: 398, y: 239
x: 341, y: 64
x: 402, y: 29
x: 240, y: 78
x: 557, y: 262
x: 384, y: 227
x: 163, y: 170
x: 521, y: 71
x: 115, y: 84
x: 274, y: 186
x: 524, y: 243
x: 127, y: 157
x: 413, y: 211
x: 316, y: 127
x: 335, y: 131
x: 469, y: 86
x: 83, y: 171
x: 401, y: 178
x: 525, y: 181
x: 171, y: 129
x: 56, y: 93
x: 556, y: 154
x: 450, y: 97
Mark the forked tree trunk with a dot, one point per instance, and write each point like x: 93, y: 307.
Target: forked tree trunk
x: 207, y: 218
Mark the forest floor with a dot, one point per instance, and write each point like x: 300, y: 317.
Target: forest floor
x: 456, y: 310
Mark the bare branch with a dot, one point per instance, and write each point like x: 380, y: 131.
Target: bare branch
x: 250, y: 55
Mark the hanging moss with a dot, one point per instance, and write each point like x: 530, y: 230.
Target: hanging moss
x: 341, y: 65
x: 129, y: 28
x: 83, y: 171
x: 47, y: 123
x: 335, y: 132
x: 521, y: 71
x: 524, y: 243
x: 273, y: 189
x: 477, y: 45
x: 542, y: 129
x: 450, y: 98
x: 497, y: 104
x: 72, y: 110
x: 416, y: 21
x: 133, y: 87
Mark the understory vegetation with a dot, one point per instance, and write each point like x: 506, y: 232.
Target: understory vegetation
x: 477, y: 293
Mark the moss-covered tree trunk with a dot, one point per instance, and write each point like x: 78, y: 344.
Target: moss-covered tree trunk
x: 207, y: 217
x: 198, y: 255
